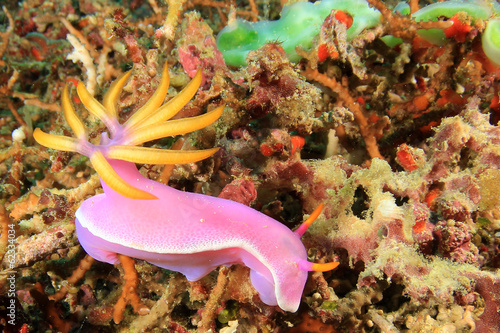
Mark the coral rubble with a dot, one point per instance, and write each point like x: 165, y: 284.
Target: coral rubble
x: 396, y: 135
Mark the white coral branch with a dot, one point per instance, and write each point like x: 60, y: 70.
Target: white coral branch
x: 80, y: 53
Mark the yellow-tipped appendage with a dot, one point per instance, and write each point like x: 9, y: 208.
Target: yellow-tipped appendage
x: 170, y: 109
x: 58, y: 142
x: 71, y: 118
x: 144, y: 155
x: 147, y: 124
x: 61, y: 142
x: 153, y: 103
x: 173, y: 127
x: 97, y: 109
x: 113, y: 180
x: 111, y: 97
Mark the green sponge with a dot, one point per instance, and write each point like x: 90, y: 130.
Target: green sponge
x: 476, y: 9
x: 300, y: 22
x: 491, y: 41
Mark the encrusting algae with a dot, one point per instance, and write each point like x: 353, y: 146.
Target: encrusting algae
x: 390, y: 129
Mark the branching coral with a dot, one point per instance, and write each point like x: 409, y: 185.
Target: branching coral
x: 81, y: 54
x: 405, y: 28
x: 129, y: 293
x: 361, y: 119
x: 77, y: 274
x: 171, y: 21
x: 6, y: 34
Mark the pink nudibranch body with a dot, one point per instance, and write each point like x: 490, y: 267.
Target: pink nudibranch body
x: 180, y: 231
x: 193, y: 234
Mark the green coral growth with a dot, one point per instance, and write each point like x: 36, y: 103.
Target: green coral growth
x: 301, y: 22
x: 474, y: 9
x: 491, y: 41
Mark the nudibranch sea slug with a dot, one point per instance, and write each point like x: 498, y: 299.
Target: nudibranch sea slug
x: 180, y: 231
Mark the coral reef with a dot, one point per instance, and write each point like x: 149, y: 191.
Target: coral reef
x: 394, y: 131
